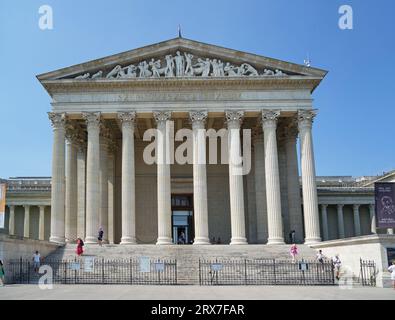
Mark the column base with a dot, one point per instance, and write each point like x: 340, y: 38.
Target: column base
x: 128, y: 240
x: 164, y: 241
x: 56, y: 239
x: 238, y: 241
x: 201, y: 241
x: 91, y: 240
x: 275, y: 241
x: 309, y: 241
x: 71, y: 241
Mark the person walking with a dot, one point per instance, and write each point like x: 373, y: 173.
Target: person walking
x: 294, y: 252
x: 320, y: 257
x: 292, y: 236
x: 392, y: 270
x: 80, y: 245
x: 36, y: 261
x: 100, y: 236
x: 2, y: 274
x: 336, y: 262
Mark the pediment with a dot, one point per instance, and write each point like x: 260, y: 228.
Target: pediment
x: 181, y: 58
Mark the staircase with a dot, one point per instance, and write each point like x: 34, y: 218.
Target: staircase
x: 187, y: 256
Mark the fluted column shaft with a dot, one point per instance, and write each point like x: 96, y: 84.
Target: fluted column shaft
x: 92, y: 177
x: 164, y: 182
x: 309, y: 187
x: 340, y: 221
x: 272, y: 175
x: 111, y: 182
x: 41, y: 223
x: 260, y: 190
x: 81, y: 190
x: 103, y: 181
x: 372, y: 213
x: 58, y: 177
x: 128, y: 179
x: 324, y: 218
x: 293, y: 185
x: 200, y: 177
x: 11, y: 222
x: 26, y: 222
x: 236, y: 190
x: 71, y: 191
x: 357, y: 220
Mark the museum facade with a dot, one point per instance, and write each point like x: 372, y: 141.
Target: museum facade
x: 102, y: 111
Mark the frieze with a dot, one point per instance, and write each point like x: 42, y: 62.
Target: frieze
x: 182, y: 64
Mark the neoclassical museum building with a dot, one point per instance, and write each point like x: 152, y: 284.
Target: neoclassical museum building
x: 101, y: 111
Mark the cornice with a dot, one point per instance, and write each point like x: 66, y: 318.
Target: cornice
x: 159, y: 84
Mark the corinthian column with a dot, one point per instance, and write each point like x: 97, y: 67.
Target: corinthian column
x: 260, y: 190
x: 26, y: 222
x: 309, y: 187
x: 372, y: 214
x: 340, y: 221
x: 58, y: 175
x: 357, y: 220
x: 324, y: 219
x: 103, y: 181
x: 11, y: 225
x: 71, y: 187
x: 41, y: 223
x: 128, y: 178
x: 92, y: 177
x: 164, y: 184
x: 293, y: 185
x: 273, y: 199
x: 81, y: 189
x: 233, y: 120
x: 198, y: 119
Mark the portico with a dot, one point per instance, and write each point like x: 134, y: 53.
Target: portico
x: 102, y: 109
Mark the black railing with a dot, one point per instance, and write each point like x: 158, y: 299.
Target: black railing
x: 368, y: 273
x: 265, y: 272
x: 96, y: 271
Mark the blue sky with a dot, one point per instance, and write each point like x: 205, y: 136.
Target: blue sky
x: 353, y: 134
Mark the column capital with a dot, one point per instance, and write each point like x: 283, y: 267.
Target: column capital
x: 92, y: 119
x: 356, y: 206
x: 127, y: 118
x: 198, y: 118
x: 306, y: 118
x: 340, y: 205
x: 270, y: 118
x: 58, y: 120
x: 234, y: 118
x: 162, y: 116
x: 324, y: 206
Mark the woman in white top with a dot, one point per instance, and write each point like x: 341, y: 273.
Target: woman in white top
x: 392, y: 270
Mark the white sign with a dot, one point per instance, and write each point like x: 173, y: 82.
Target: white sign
x: 75, y: 266
x: 145, y: 264
x: 89, y: 263
x: 216, y: 266
x: 159, y: 266
x: 303, y: 266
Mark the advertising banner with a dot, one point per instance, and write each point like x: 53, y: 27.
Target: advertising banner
x: 385, y: 204
x: 2, y: 204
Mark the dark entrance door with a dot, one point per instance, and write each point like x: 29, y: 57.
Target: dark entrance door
x: 182, y: 219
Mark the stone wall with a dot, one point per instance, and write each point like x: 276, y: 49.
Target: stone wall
x: 350, y: 251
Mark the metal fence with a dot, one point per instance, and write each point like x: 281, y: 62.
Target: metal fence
x: 368, y: 273
x: 265, y: 272
x: 97, y: 271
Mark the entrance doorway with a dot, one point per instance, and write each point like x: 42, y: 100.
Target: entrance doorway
x: 182, y: 219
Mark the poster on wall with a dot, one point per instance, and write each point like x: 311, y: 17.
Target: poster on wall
x: 2, y: 205
x: 385, y: 204
x: 390, y: 255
